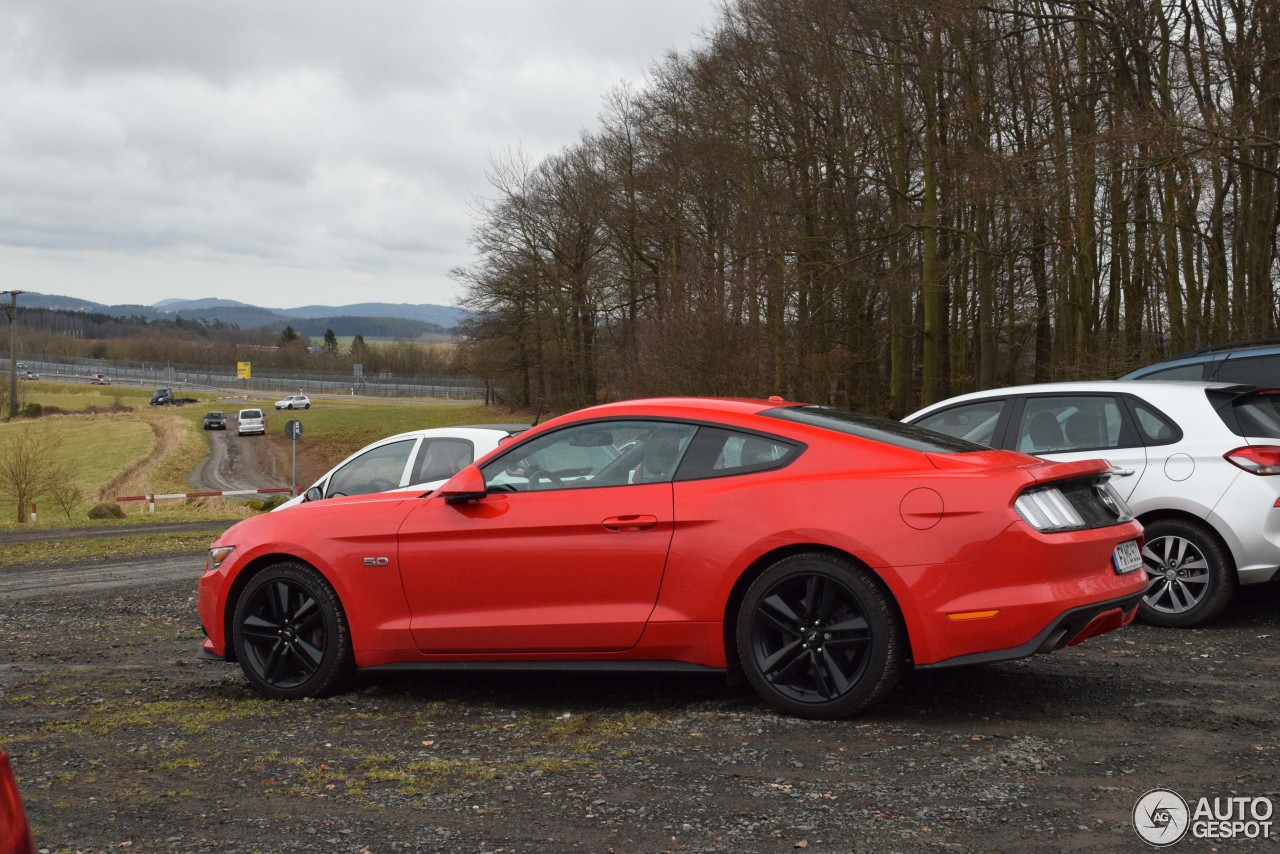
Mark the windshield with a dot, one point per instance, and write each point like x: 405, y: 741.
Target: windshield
x: 877, y: 429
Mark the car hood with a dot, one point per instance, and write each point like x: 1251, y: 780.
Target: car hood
x: 301, y: 524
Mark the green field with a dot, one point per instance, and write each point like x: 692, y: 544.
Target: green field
x: 115, y: 443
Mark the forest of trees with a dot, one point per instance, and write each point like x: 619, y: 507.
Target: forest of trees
x: 879, y: 205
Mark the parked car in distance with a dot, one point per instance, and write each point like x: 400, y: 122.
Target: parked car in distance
x: 22, y: 366
x: 815, y: 550
x: 215, y: 420
x: 15, y: 832
x: 1197, y: 462
x: 100, y: 379
x: 165, y: 397
x: 418, y: 460
x: 250, y: 421
x: 1253, y: 362
x: 30, y: 375
x: 294, y: 401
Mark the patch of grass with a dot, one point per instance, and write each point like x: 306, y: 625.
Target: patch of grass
x: 191, y: 717
x: 52, y: 552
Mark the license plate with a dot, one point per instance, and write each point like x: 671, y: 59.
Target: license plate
x: 1127, y: 557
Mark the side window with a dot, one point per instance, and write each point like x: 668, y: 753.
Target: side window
x: 600, y: 453
x: 717, y: 452
x: 1182, y: 372
x: 442, y: 458
x: 1078, y: 423
x: 1154, y: 427
x: 975, y: 422
x: 376, y: 471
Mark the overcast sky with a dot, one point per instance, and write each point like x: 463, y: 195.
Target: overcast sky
x: 288, y: 153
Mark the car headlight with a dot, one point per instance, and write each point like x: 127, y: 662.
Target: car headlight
x: 218, y: 555
x: 1047, y: 509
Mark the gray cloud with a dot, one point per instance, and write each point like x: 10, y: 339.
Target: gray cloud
x: 305, y: 148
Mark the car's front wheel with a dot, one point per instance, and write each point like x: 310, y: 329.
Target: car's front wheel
x: 819, y: 638
x: 1190, y: 576
x: 291, y: 635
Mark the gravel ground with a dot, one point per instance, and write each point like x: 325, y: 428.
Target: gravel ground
x: 123, y: 741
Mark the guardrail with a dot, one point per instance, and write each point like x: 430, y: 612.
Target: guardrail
x: 152, y: 498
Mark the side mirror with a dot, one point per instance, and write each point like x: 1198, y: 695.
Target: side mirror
x: 314, y: 494
x: 466, y: 485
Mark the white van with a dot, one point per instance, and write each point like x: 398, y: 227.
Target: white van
x: 251, y: 421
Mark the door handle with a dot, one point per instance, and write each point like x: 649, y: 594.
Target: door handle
x: 1119, y: 472
x: 626, y: 524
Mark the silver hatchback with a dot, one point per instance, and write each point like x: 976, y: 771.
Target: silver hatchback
x: 1198, y: 462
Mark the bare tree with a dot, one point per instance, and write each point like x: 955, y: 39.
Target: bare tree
x: 27, y: 469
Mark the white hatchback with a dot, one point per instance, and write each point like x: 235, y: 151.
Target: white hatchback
x: 1198, y: 463
x: 420, y: 459
x: 294, y: 401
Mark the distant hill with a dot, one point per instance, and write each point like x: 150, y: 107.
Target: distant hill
x: 444, y: 316
x: 374, y: 320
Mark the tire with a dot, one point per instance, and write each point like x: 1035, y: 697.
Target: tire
x: 818, y: 638
x: 308, y: 406
x: 1190, y: 575
x: 291, y: 635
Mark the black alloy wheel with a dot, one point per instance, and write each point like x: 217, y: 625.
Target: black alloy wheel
x: 291, y: 635
x: 819, y: 638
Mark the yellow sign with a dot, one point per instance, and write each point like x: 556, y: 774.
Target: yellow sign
x: 243, y: 370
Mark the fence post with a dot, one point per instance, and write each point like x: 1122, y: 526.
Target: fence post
x: 33, y: 512
x: 151, y: 502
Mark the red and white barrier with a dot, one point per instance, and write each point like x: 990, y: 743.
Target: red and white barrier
x: 153, y: 498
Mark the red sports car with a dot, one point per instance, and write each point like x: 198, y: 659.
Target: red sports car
x: 815, y: 550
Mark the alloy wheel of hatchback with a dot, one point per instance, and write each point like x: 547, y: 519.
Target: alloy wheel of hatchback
x: 818, y: 638
x: 291, y: 635
x: 1188, y: 578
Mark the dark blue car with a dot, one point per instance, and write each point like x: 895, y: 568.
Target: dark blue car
x: 1252, y: 362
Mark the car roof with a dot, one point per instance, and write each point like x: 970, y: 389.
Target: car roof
x: 680, y: 407
x: 1146, y: 389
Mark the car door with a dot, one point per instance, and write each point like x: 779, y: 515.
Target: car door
x: 564, y: 553
x: 1080, y: 426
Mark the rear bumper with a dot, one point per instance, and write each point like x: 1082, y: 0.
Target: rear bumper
x: 1070, y: 628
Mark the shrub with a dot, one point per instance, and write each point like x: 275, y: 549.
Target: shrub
x: 106, y: 510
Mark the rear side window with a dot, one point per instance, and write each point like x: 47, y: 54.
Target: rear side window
x: 1256, y: 415
x: 1262, y: 371
x: 876, y: 429
x: 1156, y: 429
x: 1182, y: 372
x: 717, y: 452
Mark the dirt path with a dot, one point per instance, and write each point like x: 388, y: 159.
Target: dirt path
x: 240, y: 462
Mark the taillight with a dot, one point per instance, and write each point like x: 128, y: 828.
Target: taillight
x: 1256, y: 459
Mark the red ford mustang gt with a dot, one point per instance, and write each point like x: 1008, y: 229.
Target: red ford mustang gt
x: 815, y: 550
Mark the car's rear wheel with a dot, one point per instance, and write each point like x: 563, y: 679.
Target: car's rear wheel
x: 291, y: 635
x: 1190, y: 576
x: 819, y: 638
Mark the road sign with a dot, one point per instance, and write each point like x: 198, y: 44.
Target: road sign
x: 244, y: 370
x: 292, y: 428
